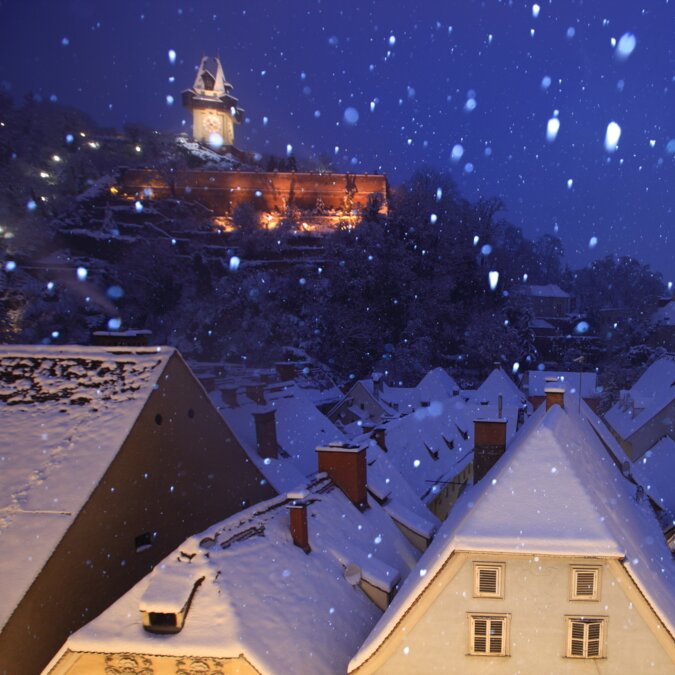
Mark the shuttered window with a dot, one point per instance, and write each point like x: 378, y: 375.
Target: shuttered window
x: 585, y: 583
x: 586, y: 637
x: 488, y: 580
x: 488, y: 634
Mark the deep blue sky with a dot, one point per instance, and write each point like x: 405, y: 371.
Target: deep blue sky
x: 302, y: 64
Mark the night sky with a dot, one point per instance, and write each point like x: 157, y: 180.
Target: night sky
x: 303, y: 72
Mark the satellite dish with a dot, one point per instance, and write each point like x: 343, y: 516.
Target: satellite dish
x: 353, y: 574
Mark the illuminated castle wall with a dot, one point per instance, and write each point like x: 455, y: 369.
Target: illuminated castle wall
x: 222, y: 191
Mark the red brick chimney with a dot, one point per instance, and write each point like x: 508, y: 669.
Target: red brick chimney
x: 346, y: 466
x: 266, y: 432
x: 554, y: 396
x: 297, y: 510
x: 489, y: 444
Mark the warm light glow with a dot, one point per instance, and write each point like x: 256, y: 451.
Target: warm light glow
x: 82, y: 134
x: 113, y: 190
x: 138, y: 148
x: 94, y: 145
x: 223, y: 223
x: 56, y: 158
x: 44, y: 174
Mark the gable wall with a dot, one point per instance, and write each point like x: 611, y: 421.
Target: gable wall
x: 436, y: 629
x: 96, y: 561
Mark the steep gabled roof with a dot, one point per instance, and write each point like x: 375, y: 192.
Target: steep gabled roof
x: 653, y: 391
x: 558, y: 492
x: 664, y: 316
x: 64, y: 414
x: 655, y: 471
x: 545, y: 291
x: 436, y: 384
x: 300, y: 429
x: 496, y: 383
x: 263, y: 597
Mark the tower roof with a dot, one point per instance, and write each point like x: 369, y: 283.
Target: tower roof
x: 210, y: 79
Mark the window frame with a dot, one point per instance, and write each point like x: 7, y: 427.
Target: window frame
x: 500, y: 569
x: 505, y: 620
x: 602, y: 621
x: 575, y: 570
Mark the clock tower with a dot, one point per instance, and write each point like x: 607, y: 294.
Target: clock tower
x: 214, y: 109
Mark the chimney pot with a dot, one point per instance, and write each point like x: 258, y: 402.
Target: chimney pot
x: 346, y: 466
x: 554, y: 396
x: 297, y: 510
x: 266, y: 433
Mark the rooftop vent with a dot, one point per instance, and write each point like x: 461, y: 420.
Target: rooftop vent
x: 164, y: 606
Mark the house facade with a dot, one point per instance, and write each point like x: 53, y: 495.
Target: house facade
x: 505, y: 613
x: 548, y: 564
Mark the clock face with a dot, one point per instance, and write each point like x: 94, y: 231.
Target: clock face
x: 212, y: 123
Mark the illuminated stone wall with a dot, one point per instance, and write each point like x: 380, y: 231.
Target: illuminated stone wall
x: 222, y: 191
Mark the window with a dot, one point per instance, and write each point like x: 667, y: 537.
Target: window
x: 488, y: 580
x: 585, y: 583
x: 488, y: 634
x: 586, y: 637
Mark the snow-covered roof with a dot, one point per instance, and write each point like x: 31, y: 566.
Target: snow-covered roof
x: 665, y: 316
x: 540, y: 323
x: 540, y: 380
x: 545, y: 291
x: 435, y: 443
x: 64, y: 414
x: 263, y: 597
x: 556, y: 491
x: 499, y: 383
x: 653, y: 391
x: 655, y: 471
x: 436, y: 384
x: 300, y: 429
